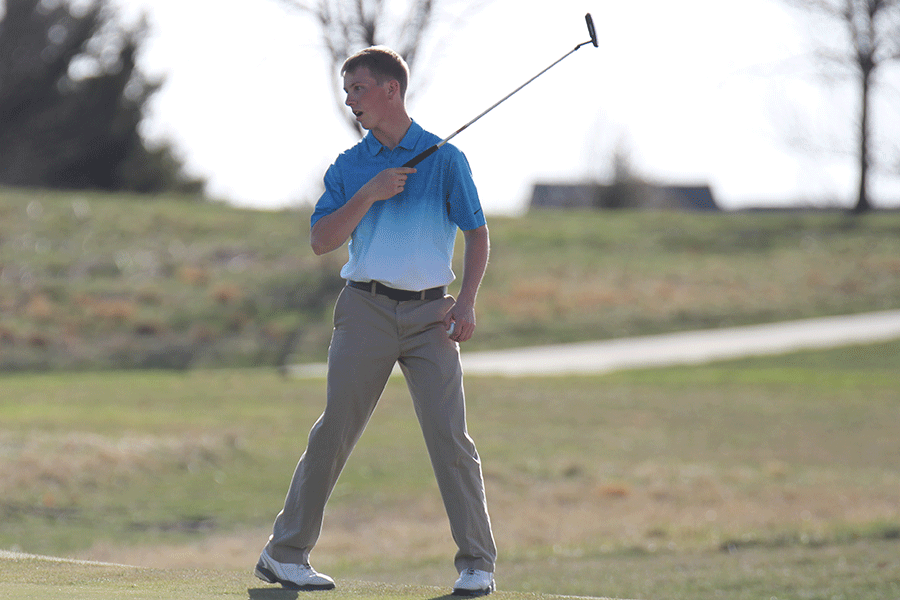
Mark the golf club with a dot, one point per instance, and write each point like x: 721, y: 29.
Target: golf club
x: 426, y: 153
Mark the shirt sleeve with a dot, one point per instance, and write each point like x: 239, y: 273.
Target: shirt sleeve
x: 332, y: 198
x: 463, y: 204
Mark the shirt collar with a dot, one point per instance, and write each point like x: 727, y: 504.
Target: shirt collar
x: 409, y: 141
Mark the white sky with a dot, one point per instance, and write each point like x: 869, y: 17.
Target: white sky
x: 698, y: 91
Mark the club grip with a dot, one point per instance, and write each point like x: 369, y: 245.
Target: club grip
x: 421, y: 156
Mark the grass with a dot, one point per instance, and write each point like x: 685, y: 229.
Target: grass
x: 94, y: 281
x: 118, y: 281
x: 761, y: 478
x: 40, y: 578
x: 755, y: 478
x: 612, y: 274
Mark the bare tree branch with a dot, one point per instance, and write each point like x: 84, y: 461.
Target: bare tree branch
x: 873, y: 29
x: 347, y: 26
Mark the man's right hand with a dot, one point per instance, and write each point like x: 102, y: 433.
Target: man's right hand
x: 386, y: 184
x: 332, y: 230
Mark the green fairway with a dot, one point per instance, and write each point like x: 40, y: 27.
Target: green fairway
x: 28, y: 577
x: 771, y: 477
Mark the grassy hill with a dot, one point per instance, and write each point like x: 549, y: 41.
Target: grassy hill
x: 111, y: 281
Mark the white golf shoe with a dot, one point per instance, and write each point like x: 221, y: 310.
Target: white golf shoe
x: 474, y: 582
x: 291, y: 576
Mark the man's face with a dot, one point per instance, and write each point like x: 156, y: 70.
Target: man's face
x: 366, y: 98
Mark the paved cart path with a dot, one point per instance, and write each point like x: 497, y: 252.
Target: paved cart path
x: 693, y: 347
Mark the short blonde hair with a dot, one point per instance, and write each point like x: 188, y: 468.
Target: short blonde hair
x: 383, y: 63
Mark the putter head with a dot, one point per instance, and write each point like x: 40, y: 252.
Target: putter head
x: 591, y: 30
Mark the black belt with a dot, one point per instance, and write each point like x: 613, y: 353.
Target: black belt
x: 398, y: 295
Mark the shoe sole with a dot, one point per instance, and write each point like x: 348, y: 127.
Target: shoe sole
x: 268, y: 576
x: 474, y: 593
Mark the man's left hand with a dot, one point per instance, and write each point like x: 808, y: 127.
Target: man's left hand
x: 463, y: 318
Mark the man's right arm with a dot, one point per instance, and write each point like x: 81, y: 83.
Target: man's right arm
x: 332, y: 230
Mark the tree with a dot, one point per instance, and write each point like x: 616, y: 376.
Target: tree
x: 351, y: 25
x: 872, y: 41
x: 72, y: 100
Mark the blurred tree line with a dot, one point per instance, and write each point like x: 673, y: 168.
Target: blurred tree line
x: 72, y: 99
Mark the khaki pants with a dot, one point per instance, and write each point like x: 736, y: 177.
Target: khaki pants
x: 371, y: 334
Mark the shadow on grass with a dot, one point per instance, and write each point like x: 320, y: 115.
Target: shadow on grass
x: 272, y: 594
x: 283, y: 594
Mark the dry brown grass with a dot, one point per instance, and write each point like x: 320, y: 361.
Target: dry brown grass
x: 560, y: 293
x: 61, y: 465
x: 580, y: 472
x: 226, y: 293
x: 40, y: 308
x: 196, y: 276
x: 677, y: 509
x: 554, y: 277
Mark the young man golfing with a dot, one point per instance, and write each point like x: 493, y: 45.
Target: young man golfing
x: 401, y: 223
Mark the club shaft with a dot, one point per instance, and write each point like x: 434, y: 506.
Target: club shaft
x: 423, y: 155
x: 507, y: 97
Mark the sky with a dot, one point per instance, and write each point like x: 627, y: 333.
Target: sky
x: 724, y: 93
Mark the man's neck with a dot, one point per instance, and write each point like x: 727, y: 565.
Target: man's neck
x: 391, y: 135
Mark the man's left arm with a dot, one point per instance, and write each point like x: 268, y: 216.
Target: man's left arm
x: 474, y: 265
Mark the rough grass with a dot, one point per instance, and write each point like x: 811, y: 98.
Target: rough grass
x: 93, y: 281
x: 118, y: 281
x: 754, y: 478
x: 580, y: 276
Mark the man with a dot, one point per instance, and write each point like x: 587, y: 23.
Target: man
x: 401, y: 223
